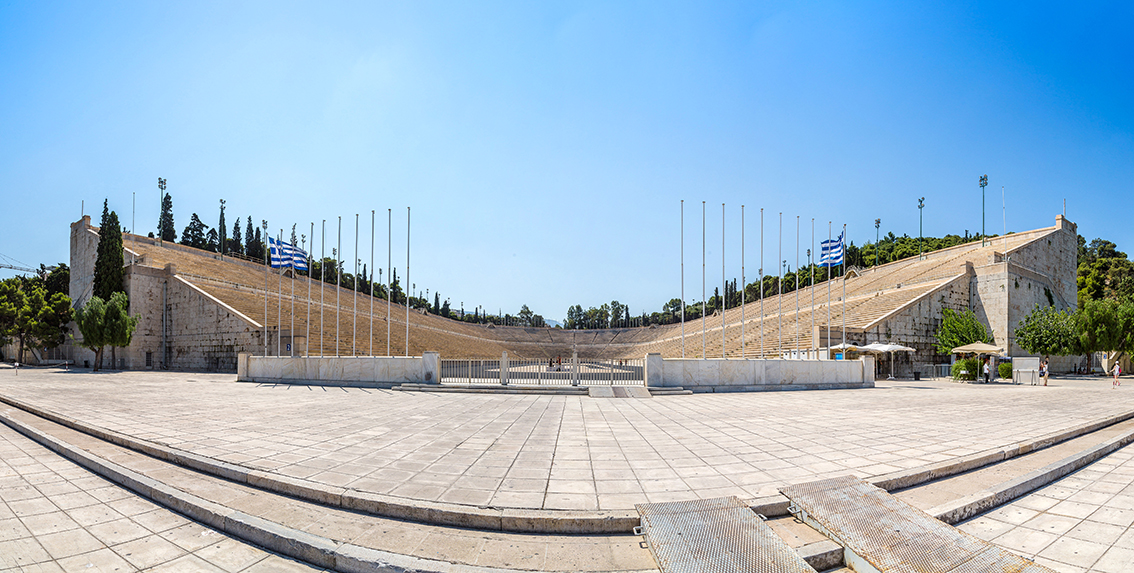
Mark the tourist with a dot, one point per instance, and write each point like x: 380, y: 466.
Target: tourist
x: 1044, y: 371
x: 987, y: 374
x: 1117, y: 373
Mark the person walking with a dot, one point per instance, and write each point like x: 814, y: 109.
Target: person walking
x: 987, y: 375
x: 1044, y: 371
x: 1117, y: 373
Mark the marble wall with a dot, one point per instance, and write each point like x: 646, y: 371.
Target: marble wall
x: 753, y: 375
x: 340, y: 370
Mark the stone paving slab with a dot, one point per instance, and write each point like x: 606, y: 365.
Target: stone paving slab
x: 564, y: 452
x: 1081, y: 523
x: 341, y: 535
x: 57, y: 516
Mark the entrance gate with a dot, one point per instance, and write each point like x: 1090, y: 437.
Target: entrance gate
x: 584, y: 372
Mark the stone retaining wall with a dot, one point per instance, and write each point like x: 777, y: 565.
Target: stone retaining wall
x: 756, y: 375
x: 340, y: 370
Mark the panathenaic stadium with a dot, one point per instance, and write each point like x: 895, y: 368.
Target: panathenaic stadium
x: 199, y: 311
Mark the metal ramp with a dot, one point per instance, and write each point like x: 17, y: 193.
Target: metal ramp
x: 881, y: 533
x: 720, y: 535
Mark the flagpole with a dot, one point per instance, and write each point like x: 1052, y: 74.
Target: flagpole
x: 389, y: 275
x: 407, y: 277
x: 354, y: 333
x: 724, y: 285
x: 683, y: 278
x: 780, y: 288
x: 743, y: 285
x: 762, y: 282
x: 812, y: 287
x: 308, y: 345
x: 827, y: 254
x: 291, y: 261
x: 371, y: 281
x: 843, y: 250
x: 322, y: 282
x: 279, y: 298
x: 704, y: 354
x: 338, y: 287
x: 267, y: 263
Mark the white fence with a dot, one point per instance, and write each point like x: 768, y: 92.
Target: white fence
x: 585, y: 372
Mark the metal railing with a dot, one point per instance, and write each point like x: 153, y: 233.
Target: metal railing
x: 586, y: 372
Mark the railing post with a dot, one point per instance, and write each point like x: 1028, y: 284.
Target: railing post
x: 504, y: 369
x: 574, y: 368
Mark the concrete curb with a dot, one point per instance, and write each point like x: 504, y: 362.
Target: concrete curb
x: 519, y: 520
x: 916, y: 476
x: 984, y: 500
x: 307, y: 547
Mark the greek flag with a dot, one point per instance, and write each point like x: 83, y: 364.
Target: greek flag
x: 287, y: 255
x: 832, y: 253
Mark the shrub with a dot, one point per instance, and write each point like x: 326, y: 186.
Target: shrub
x: 966, y: 369
x: 1005, y: 370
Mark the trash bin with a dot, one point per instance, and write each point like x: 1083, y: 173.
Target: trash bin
x: 917, y: 375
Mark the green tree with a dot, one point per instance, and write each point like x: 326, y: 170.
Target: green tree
x: 959, y: 329
x: 165, y: 222
x: 120, y: 325
x: 250, y: 248
x: 1048, y: 332
x: 396, y: 289
x: 57, y: 280
x: 194, y: 233
x: 108, y: 271
x: 104, y: 324
x: 32, y: 315
x: 1106, y: 326
x: 525, y: 315
x: 211, y: 241
x: 234, y: 243
x: 90, y: 318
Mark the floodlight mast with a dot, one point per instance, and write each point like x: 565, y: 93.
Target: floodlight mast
x: 877, y: 225
x: 920, y: 226
x: 983, y: 184
x: 161, y: 199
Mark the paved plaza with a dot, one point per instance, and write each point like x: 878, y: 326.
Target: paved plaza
x: 537, y: 452
x: 56, y: 516
x: 1082, y: 523
x: 564, y: 452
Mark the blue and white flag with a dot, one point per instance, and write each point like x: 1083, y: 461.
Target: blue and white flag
x: 287, y: 255
x: 832, y: 253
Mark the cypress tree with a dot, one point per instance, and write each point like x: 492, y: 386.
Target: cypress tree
x: 165, y: 223
x: 249, y: 247
x: 108, y: 272
x: 258, y: 240
x: 234, y: 243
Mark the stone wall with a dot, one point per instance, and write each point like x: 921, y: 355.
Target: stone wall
x: 916, y: 326
x: 181, y: 327
x: 755, y: 375
x: 341, y: 371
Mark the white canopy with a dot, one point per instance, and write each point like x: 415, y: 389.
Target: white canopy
x: 879, y: 347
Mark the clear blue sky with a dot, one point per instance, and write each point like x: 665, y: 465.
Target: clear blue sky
x: 544, y: 147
